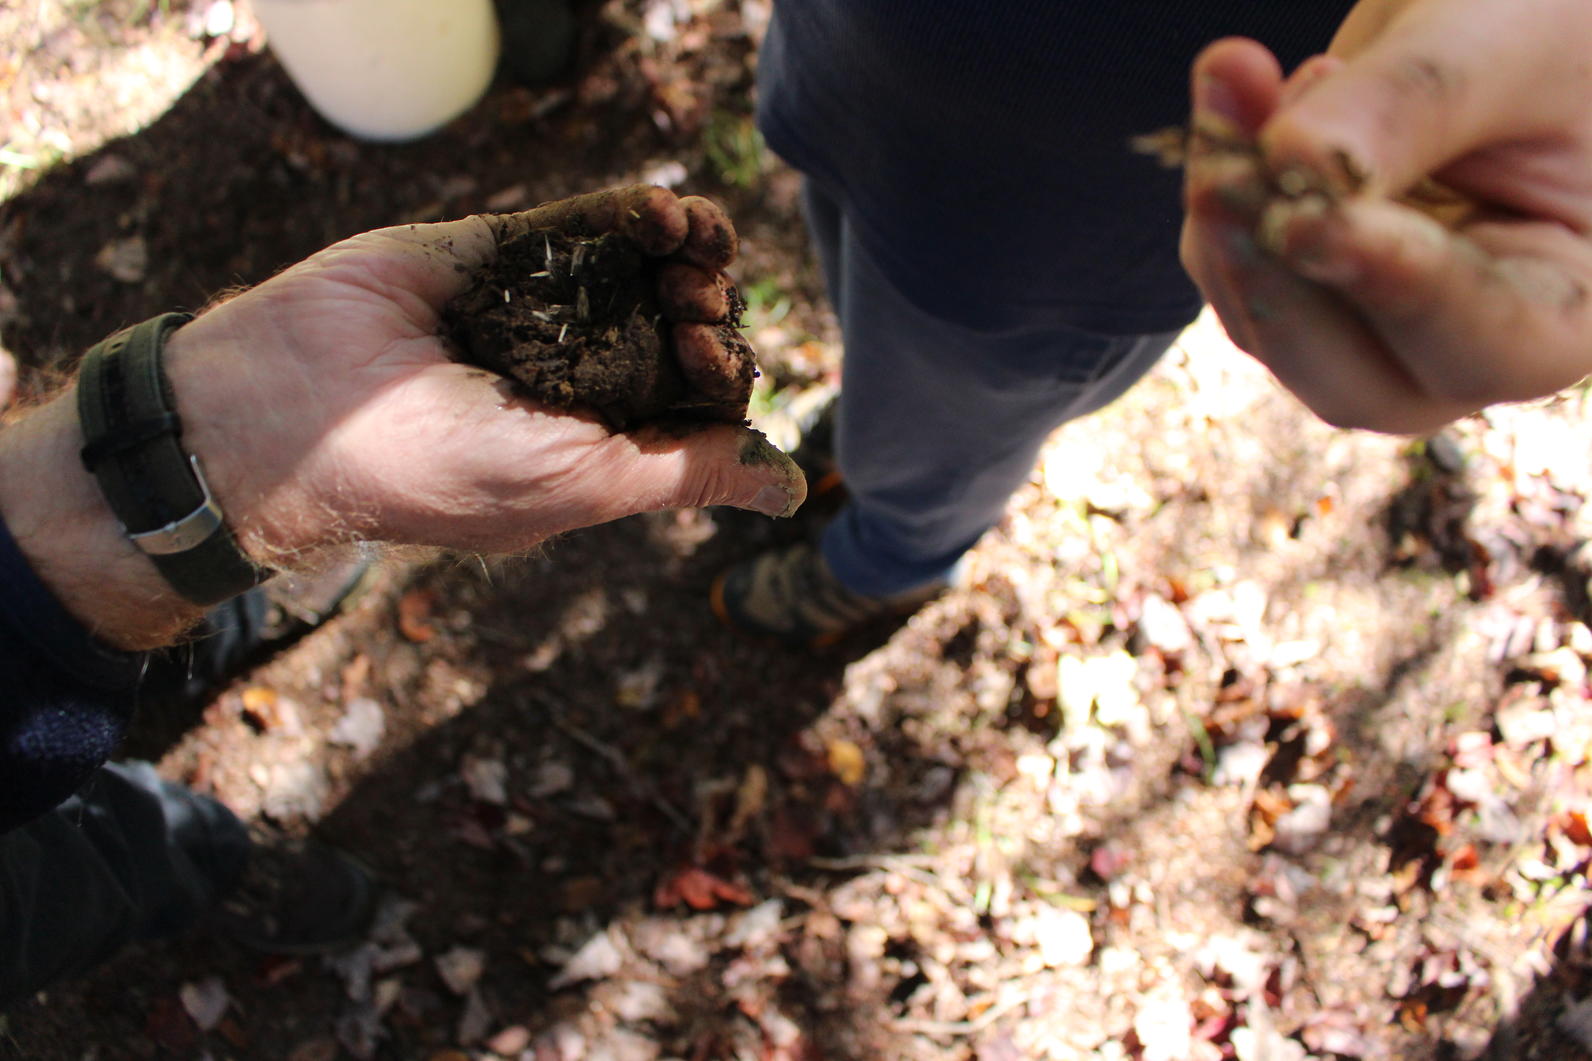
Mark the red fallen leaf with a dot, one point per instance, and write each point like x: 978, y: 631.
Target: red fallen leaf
x: 666, y: 893
x: 169, y: 1025
x: 1436, y: 809
x: 698, y: 889
x: 414, y: 613
x: 1574, y: 824
x: 233, y: 1032
x: 1213, y: 1029
x: 1465, y: 864
x: 277, y: 968
x: 1107, y: 861
x: 683, y: 707
x: 1412, y: 1016
x: 1482, y: 584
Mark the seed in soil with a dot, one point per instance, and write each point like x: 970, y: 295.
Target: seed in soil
x: 576, y: 321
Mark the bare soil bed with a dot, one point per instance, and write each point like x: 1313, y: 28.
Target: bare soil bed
x: 1246, y: 739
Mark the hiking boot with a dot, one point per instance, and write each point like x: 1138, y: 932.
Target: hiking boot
x: 234, y: 637
x: 791, y: 594
x: 298, y: 897
x: 804, y: 427
x: 299, y: 602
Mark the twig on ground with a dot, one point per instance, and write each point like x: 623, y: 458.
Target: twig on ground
x: 617, y: 760
x: 952, y: 1029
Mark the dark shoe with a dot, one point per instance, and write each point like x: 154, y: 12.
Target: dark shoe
x: 234, y: 637
x: 243, y: 632
x: 804, y: 427
x: 791, y: 594
x: 298, y: 897
x: 298, y: 603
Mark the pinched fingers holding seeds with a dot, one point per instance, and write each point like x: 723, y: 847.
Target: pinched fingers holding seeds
x: 1389, y: 289
x: 1309, y: 338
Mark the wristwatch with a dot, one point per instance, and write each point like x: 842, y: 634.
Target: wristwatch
x: 132, y: 444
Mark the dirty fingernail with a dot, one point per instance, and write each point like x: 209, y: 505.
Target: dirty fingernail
x: 772, y: 501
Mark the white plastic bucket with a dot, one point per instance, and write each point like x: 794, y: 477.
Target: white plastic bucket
x: 385, y: 69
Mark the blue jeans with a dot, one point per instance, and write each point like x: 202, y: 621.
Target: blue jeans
x: 938, y: 424
x: 129, y: 857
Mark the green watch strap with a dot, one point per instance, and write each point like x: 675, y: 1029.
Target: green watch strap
x: 132, y: 443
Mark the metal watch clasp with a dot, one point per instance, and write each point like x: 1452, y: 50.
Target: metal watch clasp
x: 190, y: 532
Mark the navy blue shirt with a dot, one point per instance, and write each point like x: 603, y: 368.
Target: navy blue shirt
x: 982, y: 147
x: 65, y: 699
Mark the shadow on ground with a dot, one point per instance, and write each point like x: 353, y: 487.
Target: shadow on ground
x: 632, y: 728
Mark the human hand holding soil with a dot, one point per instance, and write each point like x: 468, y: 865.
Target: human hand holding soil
x: 325, y: 407
x: 628, y: 316
x: 326, y: 404
x: 1402, y: 230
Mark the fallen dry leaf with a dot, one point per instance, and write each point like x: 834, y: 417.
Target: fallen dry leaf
x: 487, y: 779
x: 125, y: 259
x: 414, y: 615
x: 206, y: 1001
x: 847, y: 762
x: 698, y: 889
x: 510, y: 1041
x: 361, y: 728
x: 750, y: 798
x: 599, y: 957
x: 1465, y: 864
x: 270, y: 712
x: 355, y: 676
x: 460, y: 968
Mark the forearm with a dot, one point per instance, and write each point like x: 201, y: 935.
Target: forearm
x: 68, y: 532
x: 324, y: 408
x: 65, y: 529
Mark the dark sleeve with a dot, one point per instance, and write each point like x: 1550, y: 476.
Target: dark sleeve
x: 65, y: 699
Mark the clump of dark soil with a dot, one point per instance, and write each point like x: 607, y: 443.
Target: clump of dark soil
x: 576, y: 322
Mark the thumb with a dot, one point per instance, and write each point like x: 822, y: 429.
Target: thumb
x: 1427, y: 88
x: 698, y: 467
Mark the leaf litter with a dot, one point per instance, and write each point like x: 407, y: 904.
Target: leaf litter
x: 1249, y: 739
